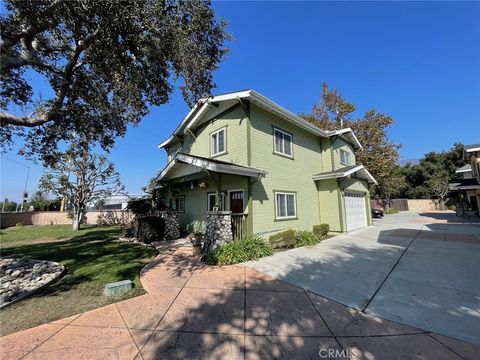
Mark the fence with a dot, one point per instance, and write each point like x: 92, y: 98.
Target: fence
x: 61, y: 218
x: 417, y: 205
x: 239, y: 225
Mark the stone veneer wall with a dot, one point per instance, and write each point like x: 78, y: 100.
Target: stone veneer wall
x: 218, y: 230
x: 172, y: 225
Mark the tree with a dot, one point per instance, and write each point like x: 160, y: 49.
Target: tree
x: 379, y: 154
x: 8, y: 206
x: 82, y: 177
x: 113, y: 58
x: 40, y: 201
x: 430, y: 177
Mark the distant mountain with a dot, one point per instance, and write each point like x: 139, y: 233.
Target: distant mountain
x: 403, y: 162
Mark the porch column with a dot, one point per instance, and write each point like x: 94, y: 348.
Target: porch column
x: 250, y: 208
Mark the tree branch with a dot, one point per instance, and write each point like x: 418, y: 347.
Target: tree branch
x: 61, y: 93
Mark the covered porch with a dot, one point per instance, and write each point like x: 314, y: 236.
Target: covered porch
x: 196, y: 187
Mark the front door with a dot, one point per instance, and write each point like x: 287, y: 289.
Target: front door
x: 236, y: 202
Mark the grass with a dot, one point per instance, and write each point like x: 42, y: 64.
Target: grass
x: 92, y: 259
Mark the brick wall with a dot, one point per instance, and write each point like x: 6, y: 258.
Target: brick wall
x: 59, y: 218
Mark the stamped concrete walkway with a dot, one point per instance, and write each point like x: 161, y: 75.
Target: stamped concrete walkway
x: 193, y: 311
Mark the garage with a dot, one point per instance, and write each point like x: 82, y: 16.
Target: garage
x: 355, y: 211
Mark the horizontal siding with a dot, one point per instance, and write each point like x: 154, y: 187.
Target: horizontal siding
x: 235, y: 122
x: 196, y: 199
x: 353, y: 184
x: 329, y: 204
x: 340, y: 144
x: 284, y: 174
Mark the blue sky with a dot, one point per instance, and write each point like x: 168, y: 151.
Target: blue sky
x: 419, y: 62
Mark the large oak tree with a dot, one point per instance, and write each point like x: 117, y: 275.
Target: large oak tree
x: 112, y: 58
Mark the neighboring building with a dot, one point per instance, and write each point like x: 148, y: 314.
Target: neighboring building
x: 272, y: 169
x: 114, y: 202
x: 469, y: 186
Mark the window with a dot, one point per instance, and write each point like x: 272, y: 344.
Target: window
x: 179, y: 203
x: 345, y: 157
x: 283, y: 142
x: 218, y: 142
x: 285, y: 205
x: 211, y: 201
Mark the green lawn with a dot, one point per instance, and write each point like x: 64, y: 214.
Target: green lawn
x: 92, y: 257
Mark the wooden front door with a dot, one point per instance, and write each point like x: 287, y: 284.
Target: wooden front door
x: 236, y: 202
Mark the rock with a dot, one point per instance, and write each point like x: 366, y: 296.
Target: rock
x: 19, y: 277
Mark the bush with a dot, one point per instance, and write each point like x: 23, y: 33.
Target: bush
x: 306, y: 238
x: 126, y: 232
x: 237, y: 251
x: 321, y: 230
x: 283, y: 240
x: 390, y: 211
x: 149, y: 229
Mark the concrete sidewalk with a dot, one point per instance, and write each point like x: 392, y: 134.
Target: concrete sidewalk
x: 193, y: 311
x: 434, y: 284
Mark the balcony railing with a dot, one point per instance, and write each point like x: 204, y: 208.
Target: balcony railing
x: 239, y: 225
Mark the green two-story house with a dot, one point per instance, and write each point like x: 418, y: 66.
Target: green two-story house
x: 243, y: 153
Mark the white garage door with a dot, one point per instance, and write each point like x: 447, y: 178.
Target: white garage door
x: 355, y: 211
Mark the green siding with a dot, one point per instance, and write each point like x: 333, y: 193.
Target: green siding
x: 337, y: 145
x: 284, y: 174
x: 196, y: 199
x: 236, y: 125
x: 353, y: 184
x: 326, y: 154
x: 329, y: 204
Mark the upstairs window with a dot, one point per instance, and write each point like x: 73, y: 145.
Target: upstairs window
x: 218, y: 142
x: 283, y: 142
x: 345, y: 157
x: 285, y: 205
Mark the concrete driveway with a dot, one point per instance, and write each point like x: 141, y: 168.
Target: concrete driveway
x: 418, y: 269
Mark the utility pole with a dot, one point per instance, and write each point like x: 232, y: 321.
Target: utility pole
x: 26, y: 182
x: 25, y: 194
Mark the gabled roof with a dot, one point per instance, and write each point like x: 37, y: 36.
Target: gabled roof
x: 466, y: 168
x: 464, y: 184
x: 346, y: 171
x: 196, y: 114
x: 183, y: 165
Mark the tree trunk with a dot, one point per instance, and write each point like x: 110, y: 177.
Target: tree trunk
x: 76, y: 221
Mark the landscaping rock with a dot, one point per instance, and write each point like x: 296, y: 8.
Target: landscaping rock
x: 19, y: 277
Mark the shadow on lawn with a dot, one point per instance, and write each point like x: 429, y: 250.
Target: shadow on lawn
x: 94, y: 257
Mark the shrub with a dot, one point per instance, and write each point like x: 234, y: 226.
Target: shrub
x: 237, y: 251
x: 306, y: 238
x: 126, y: 232
x: 390, y: 211
x: 149, y: 229
x: 321, y: 230
x: 283, y: 240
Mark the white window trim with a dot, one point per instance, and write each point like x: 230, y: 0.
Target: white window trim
x: 175, y: 201
x: 349, y: 157
x: 222, y: 200
x: 228, y: 199
x: 283, y: 141
x: 212, y: 153
x: 286, y: 209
